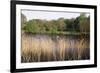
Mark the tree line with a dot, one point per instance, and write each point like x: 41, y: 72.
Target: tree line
x: 61, y: 25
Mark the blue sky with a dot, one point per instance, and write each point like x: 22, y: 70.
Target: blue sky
x: 49, y: 15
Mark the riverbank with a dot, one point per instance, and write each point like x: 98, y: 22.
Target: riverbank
x: 59, y: 33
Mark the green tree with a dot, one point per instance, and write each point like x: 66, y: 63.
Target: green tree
x: 84, y: 23
x: 31, y: 26
x: 61, y: 24
x: 23, y: 19
x: 69, y: 24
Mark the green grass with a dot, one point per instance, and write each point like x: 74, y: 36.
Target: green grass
x: 60, y: 32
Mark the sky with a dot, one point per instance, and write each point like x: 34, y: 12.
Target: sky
x: 49, y: 15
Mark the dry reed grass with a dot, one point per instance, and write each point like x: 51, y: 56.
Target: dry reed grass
x: 40, y: 50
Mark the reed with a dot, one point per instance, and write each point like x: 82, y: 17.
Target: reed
x: 41, y: 49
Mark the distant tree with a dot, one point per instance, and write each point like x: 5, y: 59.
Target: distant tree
x: 61, y: 24
x: 88, y: 24
x: 84, y: 23
x: 23, y: 19
x: 53, y: 26
x: 69, y: 24
x: 78, y: 24
x: 31, y: 26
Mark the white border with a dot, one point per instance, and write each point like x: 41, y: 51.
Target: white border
x: 20, y: 65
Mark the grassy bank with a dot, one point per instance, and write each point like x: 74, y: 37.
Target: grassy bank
x: 61, y: 32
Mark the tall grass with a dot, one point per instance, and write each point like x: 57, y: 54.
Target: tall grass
x: 48, y: 49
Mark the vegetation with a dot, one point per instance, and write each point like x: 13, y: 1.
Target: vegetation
x: 49, y: 49
x: 77, y: 25
x: 23, y: 20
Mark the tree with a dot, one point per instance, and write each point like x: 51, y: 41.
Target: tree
x: 61, y: 24
x: 84, y: 23
x: 31, y: 26
x: 69, y: 24
x: 23, y: 19
x: 78, y: 24
x: 54, y: 26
